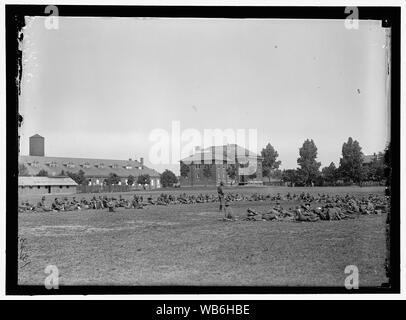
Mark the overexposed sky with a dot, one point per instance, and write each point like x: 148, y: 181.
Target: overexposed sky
x: 98, y: 87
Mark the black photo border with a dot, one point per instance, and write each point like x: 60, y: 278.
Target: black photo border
x: 390, y: 16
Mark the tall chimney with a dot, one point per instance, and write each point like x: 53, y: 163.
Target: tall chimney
x: 37, y: 145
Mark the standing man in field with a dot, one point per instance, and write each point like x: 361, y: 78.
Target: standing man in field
x: 220, y: 193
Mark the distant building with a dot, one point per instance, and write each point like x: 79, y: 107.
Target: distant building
x: 369, y: 159
x: 96, y: 171
x: 210, y: 166
x: 45, y: 185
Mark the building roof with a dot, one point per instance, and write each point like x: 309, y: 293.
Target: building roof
x: 91, y: 167
x: 231, y: 153
x: 36, y: 136
x: 368, y: 158
x: 45, y: 181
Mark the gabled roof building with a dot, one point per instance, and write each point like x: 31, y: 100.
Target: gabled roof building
x: 44, y: 185
x: 95, y: 170
x: 213, y: 165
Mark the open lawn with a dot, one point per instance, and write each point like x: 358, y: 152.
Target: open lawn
x: 191, y: 245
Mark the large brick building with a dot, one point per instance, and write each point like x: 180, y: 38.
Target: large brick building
x: 212, y: 165
x: 96, y: 171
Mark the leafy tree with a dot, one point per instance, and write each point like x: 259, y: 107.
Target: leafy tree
x: 276, y: 174
x: 309, y: 167
x: 78, y: 177
x: 112, y: 179
x: 290, y: 175
x: 351, y: 162
x: 130, y: 180
x: 168, y: 178
x: 42, y: 173
x: 329, y: 173
x: 376, y: 169
x: 184, y: 169
x: 144, y: 179
x: 22, y: 170
x: 269, y: 163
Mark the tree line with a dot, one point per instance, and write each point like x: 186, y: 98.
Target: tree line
x: 351, y: 167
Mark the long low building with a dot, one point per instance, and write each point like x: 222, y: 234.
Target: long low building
x: 96, y: 171
x: 46, y: 185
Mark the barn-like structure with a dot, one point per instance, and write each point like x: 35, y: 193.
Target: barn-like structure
x: 45, y: 185
x: 96, y: 171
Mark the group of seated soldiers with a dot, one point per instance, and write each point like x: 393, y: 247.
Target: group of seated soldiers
x: 101, y: 202
x: 333, y: 208
x: 325, y: 206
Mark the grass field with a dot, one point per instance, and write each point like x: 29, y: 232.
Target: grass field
x: 190, y: 245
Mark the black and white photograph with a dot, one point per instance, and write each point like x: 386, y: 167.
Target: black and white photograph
x: 220, y: 150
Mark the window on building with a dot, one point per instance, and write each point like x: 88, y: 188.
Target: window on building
x: 33, y: 164
x: 60, y: 187
x: 52, y: 164
x: 69, y: 164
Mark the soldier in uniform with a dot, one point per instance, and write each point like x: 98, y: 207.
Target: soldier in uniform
x: 300, y: 216
x: 41, y: 206
x: 56, y: 205
x: 220, y: 193
x: 150, y: 200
